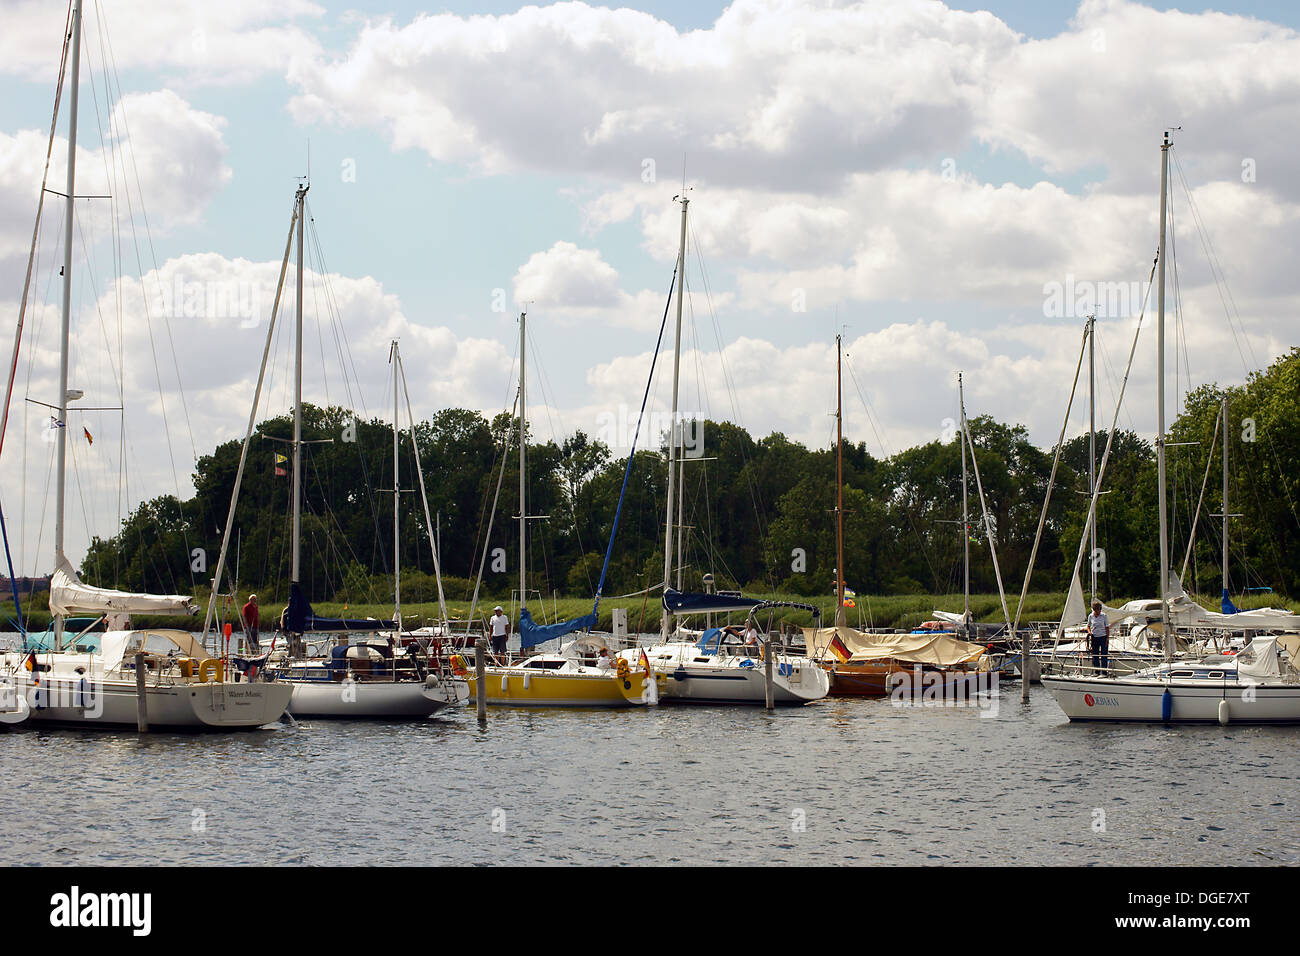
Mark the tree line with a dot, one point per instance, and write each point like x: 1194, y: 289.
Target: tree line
x: 758, y: 513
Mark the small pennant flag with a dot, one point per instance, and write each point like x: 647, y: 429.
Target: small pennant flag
x: 90, y: 439
x: 645, y: 662
x: 280, y: 460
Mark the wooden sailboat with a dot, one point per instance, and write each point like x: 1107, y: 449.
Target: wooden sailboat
x: 878, y: 665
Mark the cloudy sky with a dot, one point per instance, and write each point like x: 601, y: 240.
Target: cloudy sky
x: 949, y: 186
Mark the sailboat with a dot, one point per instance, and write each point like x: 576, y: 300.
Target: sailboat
x: 574, y: 675
x: 1260, y: 684
x: 861, y: 664
x: 148, y: 678
x: 375, y: 679
x: 716, y: 666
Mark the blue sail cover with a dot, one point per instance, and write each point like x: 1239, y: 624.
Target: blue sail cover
x: 299, y: 618
x: 531, y: 634
x: 691, y: 602
x: 1228, y: 606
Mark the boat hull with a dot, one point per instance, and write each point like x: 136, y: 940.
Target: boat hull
x: 1087, y: 699
x: 195, y: 706
x: 363, y: 700
x: 521, y: 687
x: 707, y: 684
x: 891, y: 678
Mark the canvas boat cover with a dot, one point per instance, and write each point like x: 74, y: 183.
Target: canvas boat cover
x: 69, y: 595
x: 937, y: 649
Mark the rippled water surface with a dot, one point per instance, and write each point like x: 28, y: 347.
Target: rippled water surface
x: 841, y: 781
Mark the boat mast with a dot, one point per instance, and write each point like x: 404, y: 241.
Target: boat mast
x: 295, y: 561
x: 1225, y: 497
x: 965, y: 513
x: 1092, y: 448
x: 839, y: 486
x: 672, y: 429
x: 523, y: 451
x: 1160, y: 408
x: 60, y: 557
x: 397, y: 502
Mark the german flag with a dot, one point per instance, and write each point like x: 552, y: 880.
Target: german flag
x: 837, y: 648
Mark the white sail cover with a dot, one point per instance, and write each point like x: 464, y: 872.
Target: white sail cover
x: 68, y: 595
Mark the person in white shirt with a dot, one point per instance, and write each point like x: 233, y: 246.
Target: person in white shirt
x: 1099, y: 638
x: 603, y: 660
x: 499, y: 629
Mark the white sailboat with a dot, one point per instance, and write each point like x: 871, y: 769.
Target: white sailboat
x: 148, y: 678
x: 1260, y: 684
x: 715, y: 667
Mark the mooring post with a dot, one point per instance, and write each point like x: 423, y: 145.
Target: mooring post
x: 767, y: 673
x: 480, y: 678
x: 141, y: 701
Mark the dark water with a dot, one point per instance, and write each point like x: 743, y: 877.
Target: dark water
x: 870, y: 782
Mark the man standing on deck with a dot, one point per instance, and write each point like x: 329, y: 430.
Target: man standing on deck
x: 249, y: 616
x: 1099, y: 638
x: 499, y: 629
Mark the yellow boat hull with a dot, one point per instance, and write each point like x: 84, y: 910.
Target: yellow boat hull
x: 522, y: 687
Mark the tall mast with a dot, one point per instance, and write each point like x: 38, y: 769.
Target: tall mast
x: 295, y: 561
x: 59, y: 555
x: 1225, y: 495
x: 965, y: 510
x: 523, y: 451
x: 672, y: 429
x: 839, y: 486
x: 1092, y: 448
x: 1160, y: 407
x: 397, y: 503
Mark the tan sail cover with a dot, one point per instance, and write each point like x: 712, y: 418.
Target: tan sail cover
x: 69, y: 595
x: 940, y: 650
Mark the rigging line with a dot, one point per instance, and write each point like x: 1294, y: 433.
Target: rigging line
x: 320, y: 338
x: 1231, y: 312
x: 1217, y: 273
x: 550, y: 403
x: 507, y: 433
x: 503, y: 449
x: 153, y: 255
x: 1209, y: 461
x: 349, y: 361
x: 613, y: 531
x: 424, y: 497
x: 36, y: 228
x: 1047, y: 498
x: 755, y: 493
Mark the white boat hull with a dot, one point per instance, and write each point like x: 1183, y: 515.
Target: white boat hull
x: 362, y: 700
x: 729, y: 684
x: 1102, y: 699
x: 182, y: 706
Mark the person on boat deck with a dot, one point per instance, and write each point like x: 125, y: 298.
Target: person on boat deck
x: 603, y: 660
x: 499, y: 629
x: 250, y: 618
x: 1099, y: 638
